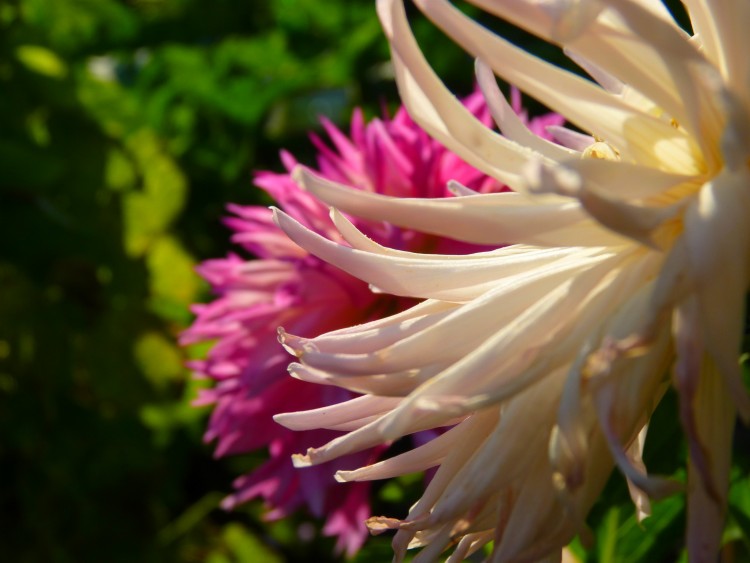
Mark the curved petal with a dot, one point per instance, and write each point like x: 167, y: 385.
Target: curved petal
x: 580, y: 101
x: 507, y: 120
x: 715, y: 419
x: 720, y: 271
x: 503, y: 218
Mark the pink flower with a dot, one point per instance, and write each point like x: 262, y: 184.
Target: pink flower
x: 285, y: 286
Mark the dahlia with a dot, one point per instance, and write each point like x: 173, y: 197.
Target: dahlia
x: 620, y: 268
x: 287, y: 286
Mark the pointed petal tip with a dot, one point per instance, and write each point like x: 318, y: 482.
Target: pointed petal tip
x: 294, y: 370
x: 302, y: 460
x: 291, y: 343
x: 275, y: 211
x: 300, y: 175
x: 295, y: 345
x: 282, y: 220
x: 459, y: 190
x: 379, y: 524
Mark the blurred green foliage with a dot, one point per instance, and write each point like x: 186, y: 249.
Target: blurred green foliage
x: 125, y: 128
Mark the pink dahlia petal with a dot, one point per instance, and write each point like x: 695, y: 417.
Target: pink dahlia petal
x: 346, y: 519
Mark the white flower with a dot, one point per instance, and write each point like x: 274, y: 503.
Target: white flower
x: 627, y: 263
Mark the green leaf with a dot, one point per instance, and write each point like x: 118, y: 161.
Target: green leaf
x: 190, y: 518
x: 69, y: 25
x: 119, y: 172
x: 245, y: 546
x: 42, y: 61
x: 739, y: 511
x: 158, y: 358
x: 149, y: 213
x: 173, y: 283
x: 622, y: 539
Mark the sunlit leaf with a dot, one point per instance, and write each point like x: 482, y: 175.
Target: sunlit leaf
x: 71, y: 24
x: 173, y: 283
x: 149, y: 212
x: 119, y: 172
x: 247, y: 547
x: 158, y: 358
x: 41, y: 60
x: 190, y: 518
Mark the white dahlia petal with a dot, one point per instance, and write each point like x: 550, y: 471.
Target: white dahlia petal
x: 500, y: 218
x: 629, y: 259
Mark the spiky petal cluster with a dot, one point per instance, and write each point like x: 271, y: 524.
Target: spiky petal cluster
x: 626, y: 271
x: 288, y: 287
